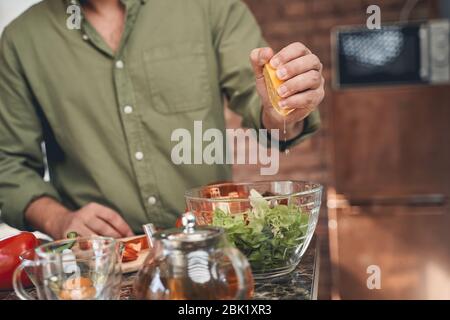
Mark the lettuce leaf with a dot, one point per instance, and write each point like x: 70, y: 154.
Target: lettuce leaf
x: 268, y: 236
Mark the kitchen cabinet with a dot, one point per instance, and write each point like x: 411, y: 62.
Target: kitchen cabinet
x: 388, y: 201
x: 409, y: 245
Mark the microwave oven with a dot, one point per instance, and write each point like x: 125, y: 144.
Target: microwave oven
x: 411, y: 53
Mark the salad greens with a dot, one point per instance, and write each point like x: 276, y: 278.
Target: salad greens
x: 267, y: 235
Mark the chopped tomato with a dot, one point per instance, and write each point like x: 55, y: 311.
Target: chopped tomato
x: 133, y: 247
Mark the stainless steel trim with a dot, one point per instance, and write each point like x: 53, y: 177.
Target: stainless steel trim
x: 439, y: 42
x: 424, y: 53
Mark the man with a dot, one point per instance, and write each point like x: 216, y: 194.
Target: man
x: 106, y: 97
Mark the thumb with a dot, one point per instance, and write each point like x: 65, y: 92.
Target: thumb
x: 258, y: 58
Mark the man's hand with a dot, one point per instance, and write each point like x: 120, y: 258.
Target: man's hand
x: 303, y: 89
x: 95, y: 219
x: 49, y: 216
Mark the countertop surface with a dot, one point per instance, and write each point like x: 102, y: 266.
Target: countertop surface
x: 301, y: 284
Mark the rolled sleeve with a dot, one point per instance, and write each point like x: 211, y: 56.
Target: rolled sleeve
x: 236, y: 34
x: 15, y: 197
x: 21, y: 157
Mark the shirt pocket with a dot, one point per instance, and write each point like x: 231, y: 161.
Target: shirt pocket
x: 178, y: 78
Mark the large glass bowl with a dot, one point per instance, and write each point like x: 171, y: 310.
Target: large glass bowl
x: 271, y: 222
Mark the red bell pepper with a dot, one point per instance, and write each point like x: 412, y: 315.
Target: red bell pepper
x: 10, y: 250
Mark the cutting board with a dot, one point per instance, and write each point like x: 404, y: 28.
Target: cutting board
x: 133, y: 266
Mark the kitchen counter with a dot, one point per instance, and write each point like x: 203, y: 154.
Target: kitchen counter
x: 301, y: 284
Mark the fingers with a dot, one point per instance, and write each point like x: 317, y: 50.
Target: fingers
x: 288, y: 53
x: 309, y: 80
x: 100, y: 220
x: 116, y: 221
x: 300, y: 70
x: 258, y: 58
x: 85, y: 231
x: 306, y: 100
x: 298, y: 66
x: 95, y: 219
x: 101, y: 227
x: 303, y: 83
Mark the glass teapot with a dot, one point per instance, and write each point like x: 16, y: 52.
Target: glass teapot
x: 192, y: 263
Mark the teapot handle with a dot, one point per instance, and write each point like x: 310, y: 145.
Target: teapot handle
x: 241, y: 267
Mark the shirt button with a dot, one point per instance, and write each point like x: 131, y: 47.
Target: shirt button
x: 151, y: 200
x: 119, y: 64
x: 128, y: 109
x: 139, y: 155
x: 85, y: 37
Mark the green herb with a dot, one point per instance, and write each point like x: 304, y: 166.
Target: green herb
x: 68, y: 245
x: 61, y: 248
x: 72, y: 235
x: 267, y: 235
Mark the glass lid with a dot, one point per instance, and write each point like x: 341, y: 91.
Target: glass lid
x: 189, y: 234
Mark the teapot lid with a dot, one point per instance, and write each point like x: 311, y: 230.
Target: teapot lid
x: 190, y: 235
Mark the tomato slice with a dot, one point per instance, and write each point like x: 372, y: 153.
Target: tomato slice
x: 133, y: 247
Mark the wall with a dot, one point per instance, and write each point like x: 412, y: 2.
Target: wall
x: 10, y: 9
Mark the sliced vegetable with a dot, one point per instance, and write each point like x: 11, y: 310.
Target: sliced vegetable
x: 10, y: 251
x: 78, y: 288
x: 72, y: 235
x: 272, y: 85
x: 133, y: 247
x: 63, y: 247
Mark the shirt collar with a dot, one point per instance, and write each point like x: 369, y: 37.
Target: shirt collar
x: 77, y: 2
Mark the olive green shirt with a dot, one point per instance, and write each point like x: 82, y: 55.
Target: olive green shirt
x: 107, y: 118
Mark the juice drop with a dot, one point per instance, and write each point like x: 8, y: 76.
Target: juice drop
x: 284, y: 133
